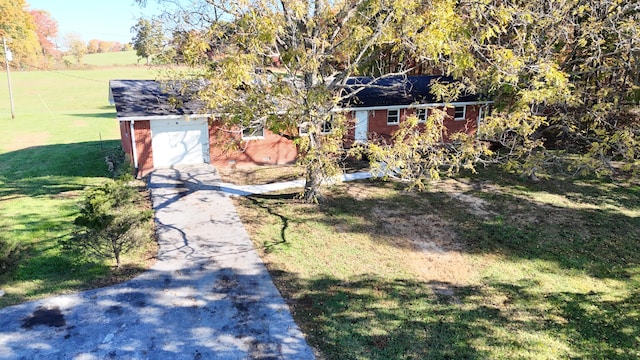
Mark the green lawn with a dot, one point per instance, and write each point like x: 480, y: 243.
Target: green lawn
x: 484, y: 267
x: 51, y: 151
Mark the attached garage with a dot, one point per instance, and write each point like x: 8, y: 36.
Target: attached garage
x: 162, y: 124
x: 179, y: 142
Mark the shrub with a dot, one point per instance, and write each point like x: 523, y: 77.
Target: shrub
x: 118, y: 164
x: 112, y: 221
x: 9, y: 254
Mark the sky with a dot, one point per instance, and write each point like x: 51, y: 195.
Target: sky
x: 108, y: 20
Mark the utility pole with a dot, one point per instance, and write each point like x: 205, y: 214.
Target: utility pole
x: 7, y: 59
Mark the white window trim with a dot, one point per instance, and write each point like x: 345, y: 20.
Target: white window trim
x: 304, y: 130
x: 397, y: 117
x: 417, y: 113
x: 464, y: 112
x: 322, y: 131
x: 253, y: 137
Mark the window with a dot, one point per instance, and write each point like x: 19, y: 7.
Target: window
x: 303, y: 130
x: 393, y: 117
x: 326, y: 127
x: 421, y: 114
x: 459, y: 112
x: 253, y: 133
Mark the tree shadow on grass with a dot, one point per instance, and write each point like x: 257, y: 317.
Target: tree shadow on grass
x: 381, y: 318
x: 101, y: 115
x: 603, y: 242
x: 39, y: 190
x: 255, y: 200
x: 387, y: 318
x: 52, y: 169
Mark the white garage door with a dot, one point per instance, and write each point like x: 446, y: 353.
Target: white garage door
x: 179, y: 142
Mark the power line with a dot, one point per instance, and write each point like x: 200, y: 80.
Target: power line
x: 64, y: 74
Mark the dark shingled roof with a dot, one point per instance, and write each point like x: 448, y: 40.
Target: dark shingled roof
x: 142, y: 98
x: 397, y: 90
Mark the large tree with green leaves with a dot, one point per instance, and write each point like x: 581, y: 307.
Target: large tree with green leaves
x: 17, y: 26
x: 317, y: 45
x: 564, y: 76
x: 149, y: 38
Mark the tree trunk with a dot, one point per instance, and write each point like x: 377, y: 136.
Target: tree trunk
x: 311, y: 186
x: 116, y: 254
x: 312, y: 172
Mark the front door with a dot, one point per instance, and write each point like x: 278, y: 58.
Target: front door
x: 362, y: 126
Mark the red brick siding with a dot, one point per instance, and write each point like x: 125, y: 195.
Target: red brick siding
x: 142, y: 130
x: 469, y: 125
x: 227, y: 149
x: 125, y: 138
x: 378, y: 127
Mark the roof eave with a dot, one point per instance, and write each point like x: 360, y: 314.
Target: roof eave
x: 410, y: 106
x: 163, y: 117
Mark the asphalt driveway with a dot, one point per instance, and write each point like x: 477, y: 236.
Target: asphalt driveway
x: 209, y: 295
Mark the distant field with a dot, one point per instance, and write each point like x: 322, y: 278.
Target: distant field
x: 120, y: 58
x: 51, y: 151
x: 69, y: 106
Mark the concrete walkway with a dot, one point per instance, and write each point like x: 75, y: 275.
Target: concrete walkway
x: 247, y: 190
x: 209, y: 295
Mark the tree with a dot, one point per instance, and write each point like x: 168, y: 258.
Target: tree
x: 319, y: 45
x: 93, y: 46
x: 17, y: 25
x: 110, y: 222
x: 76, y: 46
x: 149, y: 38
x: 47, y: 31
x: 563, y: 73
x: 565, y: 78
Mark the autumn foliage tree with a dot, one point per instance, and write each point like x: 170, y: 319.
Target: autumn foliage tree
x: 47, y: 31
x: 318, y: 46
x: 564, y: 77
x: 18, y: 27
x: 76, y: 46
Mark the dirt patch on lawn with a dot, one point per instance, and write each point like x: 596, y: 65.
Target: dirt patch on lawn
x: 434, y: 251
x: 27, y: 140
x: 258, y: 175
x: 462, y: 191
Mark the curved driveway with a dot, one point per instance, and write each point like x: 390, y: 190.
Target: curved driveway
x: 209, y: 295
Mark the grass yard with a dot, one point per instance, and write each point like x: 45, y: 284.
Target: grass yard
x: 477, y: 268
x: 51, y: 151
x: 119, y: 58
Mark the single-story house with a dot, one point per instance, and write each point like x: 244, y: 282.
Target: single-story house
x: 162, y: 127
x: 156, y: 131
x: 377, y: 110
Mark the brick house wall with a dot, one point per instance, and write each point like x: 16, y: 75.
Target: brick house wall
x: 125, y: 138
x: 378, y: 127
x: 228, y: 149
x: 144, y: 152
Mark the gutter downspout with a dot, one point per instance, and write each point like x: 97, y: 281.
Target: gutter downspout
x: 134, y: 149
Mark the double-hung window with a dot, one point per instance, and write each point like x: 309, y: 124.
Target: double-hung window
x: 393, y: 117
x: 421, y: 114
x: 459, y: 112
x: 253, y: 133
